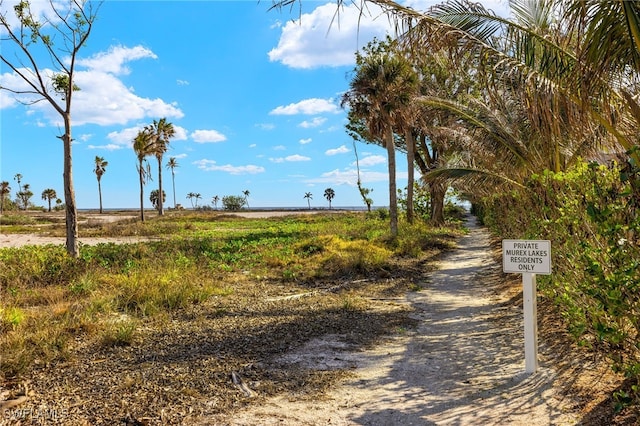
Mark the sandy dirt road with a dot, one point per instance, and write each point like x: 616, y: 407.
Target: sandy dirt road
x: 462, y: 365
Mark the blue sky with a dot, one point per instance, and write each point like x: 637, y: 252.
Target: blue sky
x: 254, y: 98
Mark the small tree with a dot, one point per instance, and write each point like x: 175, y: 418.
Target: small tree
x: 191, y: 196
x: 48, y: 195
x: 233, y: 202
x: 68, y: 31
x: 329, y: 194
x: 155, y: 199
x: 215, y: 200
x: 308, y: 197
x: 24, y: 196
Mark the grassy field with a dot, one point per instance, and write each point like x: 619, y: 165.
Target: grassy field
x: 212, y: 294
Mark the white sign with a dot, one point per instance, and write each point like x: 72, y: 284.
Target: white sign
x: 526, y: 256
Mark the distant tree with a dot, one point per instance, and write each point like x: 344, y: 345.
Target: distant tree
x: 48, y: 195
x: 100, y: 169
x: 160, y: 132
x: 24, y: 196
x: 18, y: 178
x: 171, y: 165
x: 246, y: 197
x: 197, y: 196
x: 191, y: 196
x: 329, y: 194
x: 5, y: 190
x: 58, y: 204
x: 233, y: 202
x: 141, y: 146
x: 309, y: 197
x: 42, y: 54
x: 215, y: 200
x: 155, y: 199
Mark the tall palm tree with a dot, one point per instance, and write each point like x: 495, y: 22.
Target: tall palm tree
x: 246, y: 196
x: 100, y: 169
x: 48, y: 195
x: 5, y: 190
x: 161, y: 132
x: 141, y: 146
x: 172, y: 164
x: 215, y: 200
x: 308, y: 196
x: 383, y: 84
x: 329, y: 194
x: 197, y: 196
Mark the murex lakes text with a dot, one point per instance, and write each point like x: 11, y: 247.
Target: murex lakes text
x: 526, y: 252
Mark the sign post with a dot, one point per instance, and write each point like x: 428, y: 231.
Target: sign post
x: 528, y: 257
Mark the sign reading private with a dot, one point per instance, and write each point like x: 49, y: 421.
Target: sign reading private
x: 526, y: 256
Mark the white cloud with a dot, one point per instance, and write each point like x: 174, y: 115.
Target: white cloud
x: 290, y: 158
x: 341, y: 150
x: 266, y: 126
x: 317, y: 121
x: 372, y: 160
x: 205, y: 136
x: 182, y: 82
x: 103, y: 98
x: 115, y: 59
x: 108, y: 147
x: 124, y: 138
x: 279, y: 148
x: 211, y: 166
x: 305, y: 141
x: 350, y: 177
x: 322, y: 38
x: 307, y: 106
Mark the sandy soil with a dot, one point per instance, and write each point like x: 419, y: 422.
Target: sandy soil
x: 463, y: 365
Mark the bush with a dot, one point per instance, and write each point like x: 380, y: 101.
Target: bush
x: 233, y: 202
x: 591, y: 215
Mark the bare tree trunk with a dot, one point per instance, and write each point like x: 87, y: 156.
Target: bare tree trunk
x: 71, y: 213
x: 393, y: 196
x: 410, y: 142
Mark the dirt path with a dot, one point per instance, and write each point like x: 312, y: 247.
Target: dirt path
x: 462, y: 365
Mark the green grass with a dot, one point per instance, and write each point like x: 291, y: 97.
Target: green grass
x: 217, y: 262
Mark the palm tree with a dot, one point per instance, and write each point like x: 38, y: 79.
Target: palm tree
x: 99, y: 170
x: 191, y: 196
x: 383, y: 84
x: 309, y: 197
x: 161, y: 132
x: 5, y: 190
x: 197, y: 196
x: 172, y: 164
x: 49, y: 194
x: 329, y: 194
x: 215, y: 200
x: 141, y: 146
x: 246, y: 196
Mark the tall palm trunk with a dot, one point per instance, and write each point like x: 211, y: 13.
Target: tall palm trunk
x: 411, y: 143
x: 437, y: 192
x: 100, y: 195
x: 160, y: 201
x: 141, y: 171
x: 393, y: 196
x: 173, y: 180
